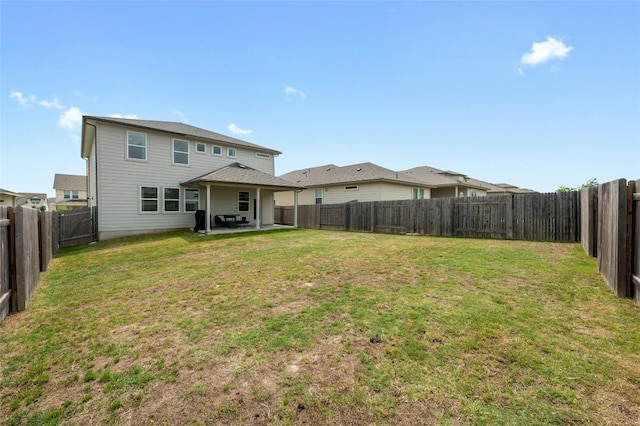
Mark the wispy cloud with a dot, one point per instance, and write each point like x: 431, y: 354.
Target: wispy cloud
x: 237, y: 130
x: 545, y: 51
x: 290, y: 90
x: 21, y: 98
x: 71, y: 118
x: 54, y: 104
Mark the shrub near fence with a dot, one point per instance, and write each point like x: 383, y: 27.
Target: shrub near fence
x: 535, y: 217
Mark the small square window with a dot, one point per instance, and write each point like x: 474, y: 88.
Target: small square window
x: 201, y: 148
x: 216, y: 150
x: 231, y: 152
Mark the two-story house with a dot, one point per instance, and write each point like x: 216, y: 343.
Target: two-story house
x: 71, y: 191
x: 147, y: 176
x: 33, y: 200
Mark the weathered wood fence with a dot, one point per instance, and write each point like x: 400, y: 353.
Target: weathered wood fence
x: 73, y: 227
x: 25, y: 250
x: 611, y: 232
x: 536, y: 217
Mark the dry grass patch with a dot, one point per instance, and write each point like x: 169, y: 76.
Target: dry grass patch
x: 310, y: 327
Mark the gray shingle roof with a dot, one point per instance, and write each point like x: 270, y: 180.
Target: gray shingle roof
x: 70, y: 182
x: 182, y: 129
x: 335, y: 175
x: 237, y: 173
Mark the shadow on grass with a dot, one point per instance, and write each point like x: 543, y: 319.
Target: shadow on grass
x: 187, y: 236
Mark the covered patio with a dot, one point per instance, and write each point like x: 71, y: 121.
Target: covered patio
x: 231, y: 189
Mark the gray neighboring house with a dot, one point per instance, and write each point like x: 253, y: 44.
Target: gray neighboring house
x: 33, y: 200
x: 331, y: 184
x: 71, y: 191
x: 8, y: 198
x: 448, y: 183
x: 147, y: 176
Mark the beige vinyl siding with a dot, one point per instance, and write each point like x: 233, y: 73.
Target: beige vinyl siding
x: 375, y: 191
x: 119, y: 180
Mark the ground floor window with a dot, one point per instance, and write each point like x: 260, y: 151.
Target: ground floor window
x: 319, y: 196
x: 149, y: 198
x: 171, y: 199
x: 418, y: 194
x: 243, y: 201
x: 191, y: 200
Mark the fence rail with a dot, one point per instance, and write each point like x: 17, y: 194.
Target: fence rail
x: 537, y: 217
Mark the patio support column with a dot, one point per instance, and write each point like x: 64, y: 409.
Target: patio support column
x: 295, y: 208
x: 207, y: 209
x: 258, y: 209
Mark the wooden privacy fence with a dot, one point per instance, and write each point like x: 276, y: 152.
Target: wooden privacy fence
x: 536, y: 217
x: 73, y: 227
x: 25, y: 251
x: 611, y: 232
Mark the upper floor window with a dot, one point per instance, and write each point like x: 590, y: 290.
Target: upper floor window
x: 231, y: 152
x: 216, y: 150
x: 319, y: 196
x: 70, y: 195
x: 201, y: 148
x: 35, y: 201
x: 180, y: 152
x: 191, y: 200
x: 136, y: 146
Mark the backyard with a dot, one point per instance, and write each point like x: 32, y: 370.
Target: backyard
x: 320, y: 327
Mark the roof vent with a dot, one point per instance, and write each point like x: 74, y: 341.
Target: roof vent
x: 358, y: 169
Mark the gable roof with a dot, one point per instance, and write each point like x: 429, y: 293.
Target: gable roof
x: 25, y: 197
x: 355, y: 173
x: 441, y: 178
x: 236, y: 173
x: 177, y: 129
x: 70, y: 182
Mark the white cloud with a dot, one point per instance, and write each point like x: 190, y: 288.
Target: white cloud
x: 71, y: 118
x: 22, y: 99
x: 51, y: 104
x: 289, y: 90
x: 237, y: 130
x: 545, y: 51
x: 132, y: 116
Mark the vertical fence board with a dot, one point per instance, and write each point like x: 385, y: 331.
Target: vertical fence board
x: 635, y: 258
x: 46, y: 239
x: 612, y: 225
x: 27, y: 256
x: 5, y: 262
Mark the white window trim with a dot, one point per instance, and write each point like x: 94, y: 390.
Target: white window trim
x: 213, y: 147
x: 185, y: 200
x: 321, y: 197
x: 164, y: 200
x: 158, y: 199
x: 146, y: 147
x: 235, y: 155
x: 201, y: 144
x: 173, y: 152
x: 248, y: 203
x: 263, y: 155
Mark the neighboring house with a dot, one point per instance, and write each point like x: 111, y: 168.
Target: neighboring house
x: 8, y: 198
x: 71, y: 191
x: 331, y: 184
x: 505, y: 188
x: 32, y: 200
x: 147, y: 176
x: 447, y: 183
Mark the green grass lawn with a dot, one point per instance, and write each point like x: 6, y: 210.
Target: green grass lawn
x: 318, y: 327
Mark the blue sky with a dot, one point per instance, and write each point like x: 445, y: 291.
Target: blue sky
x: 536, y: 94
